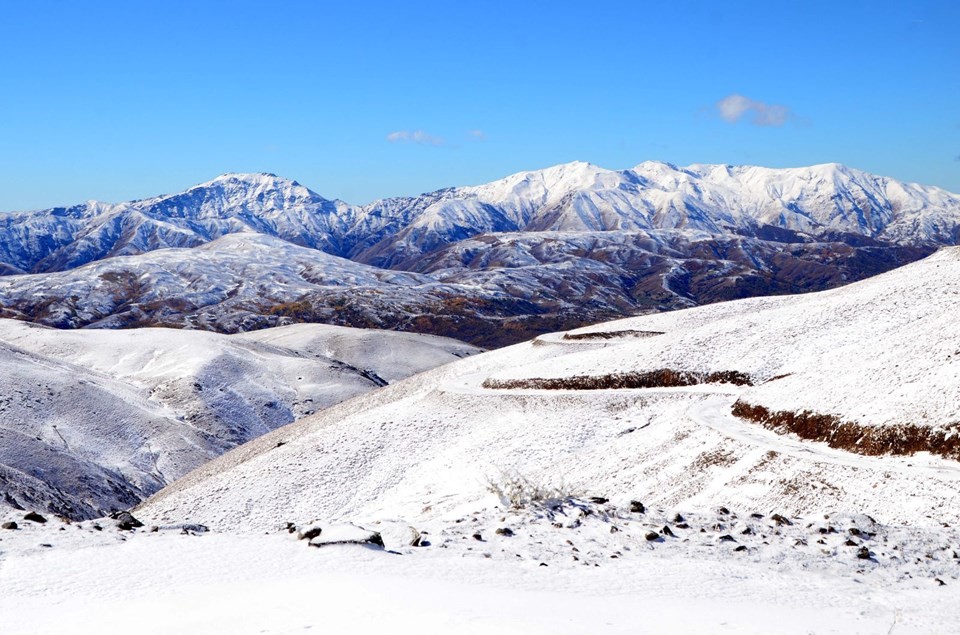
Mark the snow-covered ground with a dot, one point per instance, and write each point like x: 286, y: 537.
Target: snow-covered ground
x: 578, y: 577
x: 524, y: 509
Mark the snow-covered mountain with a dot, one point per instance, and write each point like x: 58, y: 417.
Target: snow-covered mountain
x: 703, y: 200
x: 784, y: 405
x: 822, y: 201
x: 94, y: 420
x: 542, y: 250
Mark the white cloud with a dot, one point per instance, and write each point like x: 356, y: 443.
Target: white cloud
x: 479, y: 135
x: 415, y: 136
x: 733, y: 108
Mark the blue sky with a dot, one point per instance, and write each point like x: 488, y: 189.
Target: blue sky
x: 358, y: 100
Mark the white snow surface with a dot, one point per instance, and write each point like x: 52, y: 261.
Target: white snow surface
x: 742, y: 530
x: 879, y: 351
x: 98, y: 419
x: 575, y: 567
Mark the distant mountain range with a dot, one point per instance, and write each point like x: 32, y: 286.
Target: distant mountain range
x: 492, y: 264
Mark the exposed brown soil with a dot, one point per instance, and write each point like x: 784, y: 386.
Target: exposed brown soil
x: 609, y: 335
x: 902, y: 439
x: 664, y: 378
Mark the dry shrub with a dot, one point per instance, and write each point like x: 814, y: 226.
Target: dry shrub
x: 902, y: 439
x: 517, y: 491
x: 609, y: 335
x: 663, y: 378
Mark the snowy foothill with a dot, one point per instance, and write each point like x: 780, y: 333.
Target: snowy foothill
x: 94, y: 420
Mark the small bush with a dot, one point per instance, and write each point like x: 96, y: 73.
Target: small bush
x: 517, y: 491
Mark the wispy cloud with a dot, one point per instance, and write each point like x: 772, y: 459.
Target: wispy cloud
x: 733, y: 108
x: 415, y: 136
x: 478, y: 135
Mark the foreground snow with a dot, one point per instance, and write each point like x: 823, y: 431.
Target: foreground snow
x: 168, y: 582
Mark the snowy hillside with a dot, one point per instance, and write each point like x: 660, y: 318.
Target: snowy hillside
x: 642, y: 409
x: 557, y: 485
x: 94, y: 420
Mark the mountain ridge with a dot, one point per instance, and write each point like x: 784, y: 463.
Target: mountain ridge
x: 539, y: 250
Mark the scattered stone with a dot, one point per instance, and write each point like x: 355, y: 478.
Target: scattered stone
x: 599, y: 500
x: 781, y: 520
x: 727, y: 538
x: 614, y: 529
x: 478, y: 536
x: 666, y: 532
x: 849, y: 543
x: 863, y: 553
x: 9, y: 525
x: 682, y: 526
x: 416, y: 539
x: 723, y: 511
x: 125, y: 521
x: 310, y: 533
x: 747, y: 532
x: 290, y: 527
x: 543, y: 564
x: 756, y: 516
x: 652, y: 535
x: 504, y: 531
x: 193, y: 530
x: 637, y: 507
x: 940, y: 582
x: 97, y: 527
x: 741, y: 548
x: 678, y: 518
x: 854, y: 531
x: 34, y: 517
x: 154, y: 529
x: 46, y: 544
x: 356, y: 536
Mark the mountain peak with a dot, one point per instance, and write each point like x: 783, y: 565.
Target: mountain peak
x: 252, y: 178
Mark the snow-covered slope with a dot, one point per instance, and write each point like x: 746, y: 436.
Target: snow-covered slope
x: 875, y: 356
x: 248, y: 281
x: 94, y: 420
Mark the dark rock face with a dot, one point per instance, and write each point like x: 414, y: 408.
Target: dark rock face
x: 34, y: 517
x: 9, y: 525
x: 126, y: 521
